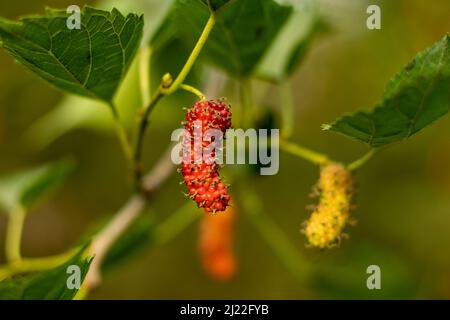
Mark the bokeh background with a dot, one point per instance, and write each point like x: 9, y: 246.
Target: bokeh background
x: 403, y: 202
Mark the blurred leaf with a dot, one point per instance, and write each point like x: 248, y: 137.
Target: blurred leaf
x: 216, y: 4
x: 25, y: 188
x: 80, y: 112
x: 47, y: 285
x: 243, y: 32
x: 135, y: 238
x: 90, y: 62
x: 344, y: 275
x: 293, y: 42
x: 415, y: 98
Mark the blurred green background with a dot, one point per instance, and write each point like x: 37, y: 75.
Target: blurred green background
x: 403, y: 195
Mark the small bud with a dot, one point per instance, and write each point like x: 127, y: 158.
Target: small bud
x: 167, y: 80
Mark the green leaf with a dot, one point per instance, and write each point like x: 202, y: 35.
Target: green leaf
x: 47, y: 285
x: 24, y: 189
x: 243, y: 32
x: 90, y: 62
x: 79, y: 112
x: 75, y: 112
x: 215, y: 4
x: 415, y: 98
x: 293, y: 42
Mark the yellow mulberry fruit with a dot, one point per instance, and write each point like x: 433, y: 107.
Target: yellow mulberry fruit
x: 324, y: 228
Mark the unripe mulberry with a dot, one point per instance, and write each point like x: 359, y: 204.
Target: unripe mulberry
x: 324, y: 228
x: 216, y: 244
x: 202, y: 179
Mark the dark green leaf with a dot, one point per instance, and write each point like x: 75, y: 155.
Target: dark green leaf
x: 46, y: 285
x: 90, y: 62
x: 216, y: 4
x: 25, y: 188
x: 242, y: 35
x: 415, y: 98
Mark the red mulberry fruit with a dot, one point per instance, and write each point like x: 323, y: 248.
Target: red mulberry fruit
x: 202, y: 178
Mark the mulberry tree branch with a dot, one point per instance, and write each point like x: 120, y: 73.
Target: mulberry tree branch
x: 104, y: 240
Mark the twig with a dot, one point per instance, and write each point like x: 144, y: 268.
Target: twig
x: 362, y: 161
x: 192, y: 57
x: 26, y: 265
x: 287, y: 109
x: 193, y: 90
x: 305, y: 153
x: 103, y: 241
x: 14, y: 235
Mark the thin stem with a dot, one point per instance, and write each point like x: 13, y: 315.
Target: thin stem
x: 121, y: 134
x: 192, y: 58
x: 362, y: 161
x: 106, y: 238
x: 103, y: 241
x: 304, y: 153
x: 144, y: 74
x: 245, y: 93
x: 14, y: 235
x: 287, y: 109
x: 273, y: 235
x: 138, y: 166
x: 33, y: 264
x: 193, y: 90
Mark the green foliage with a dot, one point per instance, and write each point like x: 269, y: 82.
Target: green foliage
x: 415, y: 98
x: 168, y: 54
x: 75, y: 112
x: 47, y: 285
x: 24, y: 189
x: 90, y: 62
x: 244, y: 31
x: 216, y: 4
x: 293, y: 42
x: 80, y: 112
